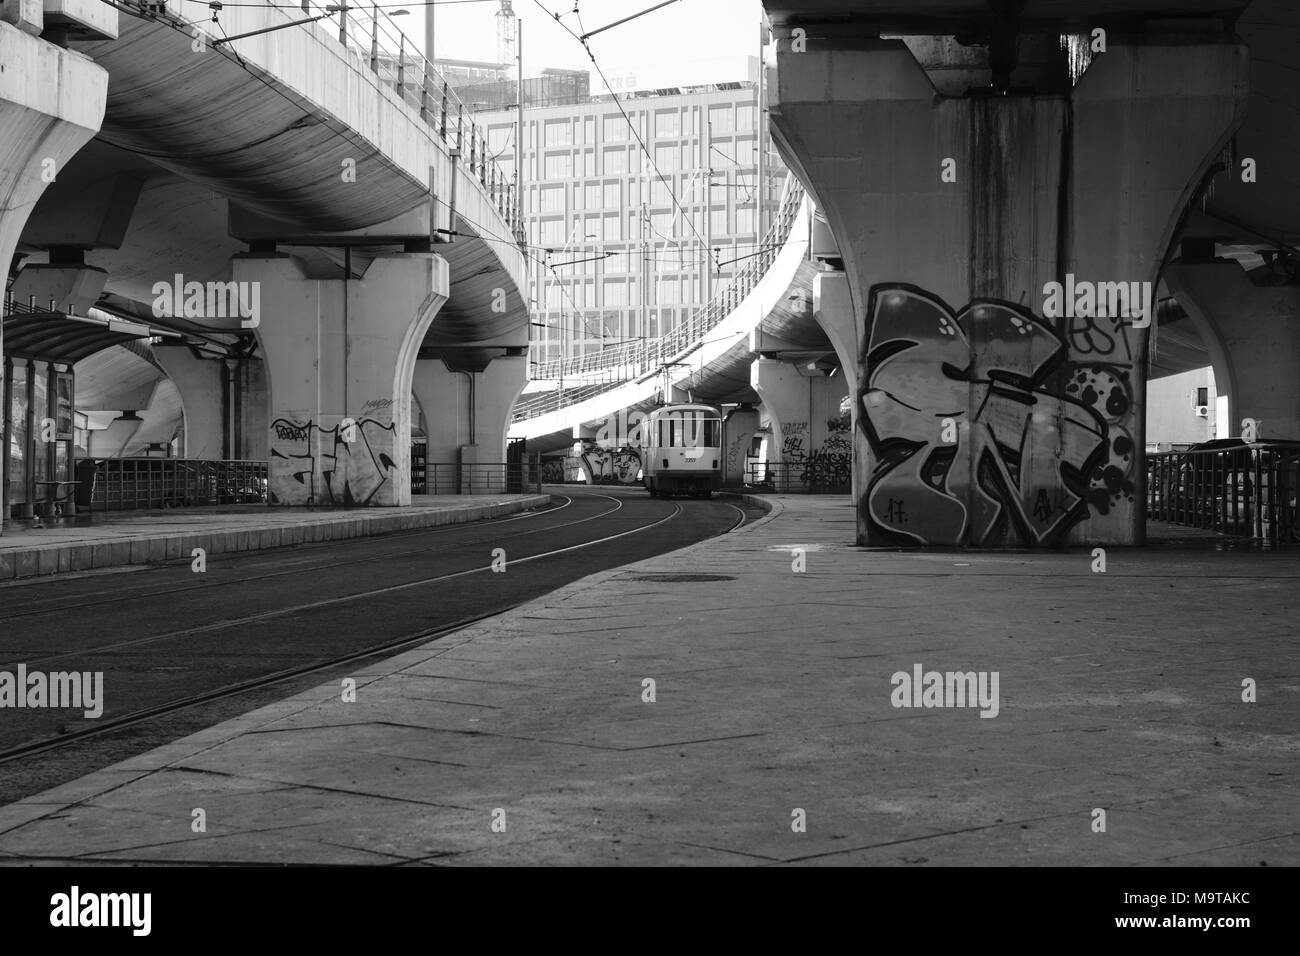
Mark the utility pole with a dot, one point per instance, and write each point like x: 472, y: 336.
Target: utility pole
x: 760, y: 193
x: 707, y: 153
x: 428, y: 33
x: 645, y: 272
x: 519, y: 118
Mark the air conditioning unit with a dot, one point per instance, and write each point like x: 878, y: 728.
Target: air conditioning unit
x: 1202, y: 411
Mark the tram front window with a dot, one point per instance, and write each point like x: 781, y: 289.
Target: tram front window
x: 690, y: 431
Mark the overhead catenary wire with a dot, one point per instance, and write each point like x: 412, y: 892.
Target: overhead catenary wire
x: 632, y: 126
x: 480, y: 231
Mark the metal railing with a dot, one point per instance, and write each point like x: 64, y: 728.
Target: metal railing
x: 369, y: 29
x: 799, y: 477
x: 484, y: 478
x: 635, y: 359
x: 534, y: 405
x: 124, y: 484
x: 1247, y: 491
x: 371, y: 32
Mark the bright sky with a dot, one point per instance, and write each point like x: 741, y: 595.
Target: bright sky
x: 687, y: 42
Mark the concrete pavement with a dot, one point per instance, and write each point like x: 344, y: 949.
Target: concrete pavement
x: 530, y: 738
x: 145, y: 537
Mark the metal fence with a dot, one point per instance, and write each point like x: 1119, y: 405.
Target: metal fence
x: 484, y: 478
x: 1247, y: 491
x: 800, y: 477
x: 124, y: 484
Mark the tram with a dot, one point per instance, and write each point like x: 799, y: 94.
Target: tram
x: 682, y: 450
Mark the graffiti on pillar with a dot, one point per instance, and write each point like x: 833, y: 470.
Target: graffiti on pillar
x: 735, y: 454
x: 621, y: 465
x: 331, y: 470
x: 794, y: 444
x: 831, y: 465
x: 553, y: 470
x: 1106, y: 390
x: 1028, y: 455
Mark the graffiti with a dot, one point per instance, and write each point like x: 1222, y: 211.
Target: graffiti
x: 285, y: 431
x: 626, y: 466
x: 1105, y: 389
x: 827, y: 469
x: 376, y: 404
x: 330, y: 470
x: 596, y: 466
x: 734, y: 455
x: 1024, y: 466
x: 831, y: 466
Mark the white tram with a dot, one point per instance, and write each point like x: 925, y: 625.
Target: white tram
x: 682, y: 450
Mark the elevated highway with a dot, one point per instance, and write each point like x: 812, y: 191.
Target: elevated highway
x: 329, y: 168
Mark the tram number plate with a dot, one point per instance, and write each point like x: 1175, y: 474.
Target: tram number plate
x: 691, y: 460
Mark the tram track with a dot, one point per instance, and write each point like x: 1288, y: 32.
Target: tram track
x: 149, y: 721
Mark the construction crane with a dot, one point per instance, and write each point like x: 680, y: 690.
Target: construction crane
x: 506, y: 33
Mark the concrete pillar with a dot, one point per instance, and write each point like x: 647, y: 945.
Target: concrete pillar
x: 340, y: 357
x: 1253, y: 335
x: 811, y: 443
x: 467, y: 414
x: 199, y: 381
x: 953, y: 215
x: 739, y: 431
x: 51, y: 104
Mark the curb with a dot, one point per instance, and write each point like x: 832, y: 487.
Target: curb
x: 129, y: 549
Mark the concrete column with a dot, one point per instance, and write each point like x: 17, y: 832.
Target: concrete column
x: 809, y: 440
x: 253, y: 411
x: 202, y: 396
x: 1253, y: 336
x: 739, y: 431
x: 340, y: 357
x: 982, y: 421
x: 467, y: 414
x: 51, y: 104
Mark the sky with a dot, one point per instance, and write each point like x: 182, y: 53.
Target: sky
x: 687, y: 42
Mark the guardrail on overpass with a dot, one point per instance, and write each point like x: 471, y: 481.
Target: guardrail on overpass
x: 635, y: 359
x: 397, y: 62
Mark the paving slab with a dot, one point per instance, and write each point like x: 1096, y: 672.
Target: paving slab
x: 776, y: 732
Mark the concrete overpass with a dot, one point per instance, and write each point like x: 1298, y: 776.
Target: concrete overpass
x: 340, y: 180
x: 758, y: 345
x: 969, y: 154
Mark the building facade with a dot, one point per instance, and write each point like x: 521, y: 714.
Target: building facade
x: 625, y: 248
x: 1184, y: 410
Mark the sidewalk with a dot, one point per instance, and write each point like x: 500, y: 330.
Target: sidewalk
x: 144, y: 537
x: 1119, y: 691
